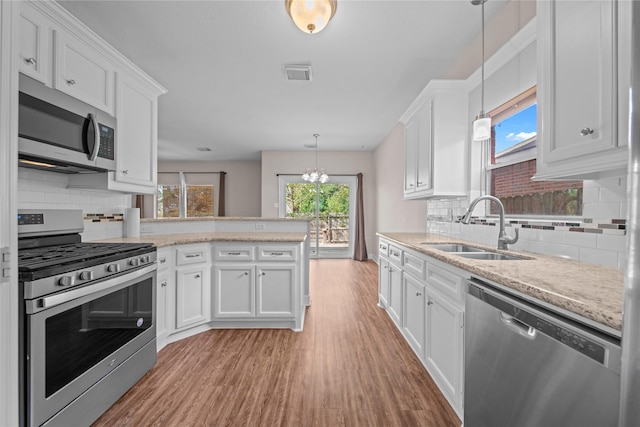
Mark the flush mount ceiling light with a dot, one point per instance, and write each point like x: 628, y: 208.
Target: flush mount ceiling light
x: 311, y: 16
x: 482, y: 124
x: 314, y: 176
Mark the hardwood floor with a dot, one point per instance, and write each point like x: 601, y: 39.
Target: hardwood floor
x: 349, y: 367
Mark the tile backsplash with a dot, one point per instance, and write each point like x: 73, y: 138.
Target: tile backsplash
x: 598, y: 237
x: 48, y: 190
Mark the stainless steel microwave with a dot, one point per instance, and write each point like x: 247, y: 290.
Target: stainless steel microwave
x: 57, y: 132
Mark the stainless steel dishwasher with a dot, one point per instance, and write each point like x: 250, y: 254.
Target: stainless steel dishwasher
x: 528, y: 366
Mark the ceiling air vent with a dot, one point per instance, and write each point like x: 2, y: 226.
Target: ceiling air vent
x: 297, y: 72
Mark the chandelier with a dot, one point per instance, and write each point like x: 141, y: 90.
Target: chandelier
x: 311, y: 16
x: 314, y: 176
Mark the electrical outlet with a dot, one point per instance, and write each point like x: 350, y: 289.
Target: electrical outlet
x: 259, y: 226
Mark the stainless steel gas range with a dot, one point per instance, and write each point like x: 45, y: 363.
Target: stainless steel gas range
x: 88, y: 319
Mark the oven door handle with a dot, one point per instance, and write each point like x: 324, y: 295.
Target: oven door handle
x: 40, y: 304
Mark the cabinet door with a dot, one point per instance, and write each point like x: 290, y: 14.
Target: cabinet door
x: 577, y: 92
x: 193, y: 288
x: 425, y: 148
x: 136, y: 150
x: 82, y: 73
x: 414, y: 313
x: 411, y: 135
x: 34, y: 47
x: 234, y: 291
x: 395, y: 294
x: 444, y: 346
x: 383, y: 280
x: 162, y: 329
x: 275, y: 291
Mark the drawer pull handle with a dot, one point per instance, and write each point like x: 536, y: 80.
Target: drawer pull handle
x: 418, y: 294
x: 234, y: 253
x: 163, y: 260
x: 246, y: 273
x: 586, y: 131
x: 71, y: 82
x: 197, y: 276
x: 277, y: 253
x: 163, y: 284
x: 31, y: 61
x: 262, y: 273
x: 429, y: 302
x: 192, y: 256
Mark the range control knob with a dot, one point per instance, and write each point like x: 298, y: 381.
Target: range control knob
x: 86, y: 275
x: 113, y: 268
x: 134, y: 262
x: 66, y: 281
x: 145, y: 259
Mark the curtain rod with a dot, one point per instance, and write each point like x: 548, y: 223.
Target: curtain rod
x: 332, y: 174
x: 192, y: 172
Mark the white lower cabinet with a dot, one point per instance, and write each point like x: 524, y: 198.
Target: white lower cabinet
x: 395, y: 294
x: 249, y: 291
x: 383, y: 274
x: 425, y: 299
x: 444, y: 351
x: 414, y: 313
x: 163, y: 285
x: 192, y: 286
x: 193, y: 289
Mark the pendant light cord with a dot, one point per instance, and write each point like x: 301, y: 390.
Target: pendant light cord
x: 482, y: 68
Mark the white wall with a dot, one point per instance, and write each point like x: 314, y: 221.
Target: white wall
x: 393, y: 213
x: 336, y: 163
x: 242, y: 183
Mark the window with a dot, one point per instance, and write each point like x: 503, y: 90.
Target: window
x: 196, y: 200
x: 513, y: 162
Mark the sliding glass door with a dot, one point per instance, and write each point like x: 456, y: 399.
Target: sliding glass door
x: 330, y: 207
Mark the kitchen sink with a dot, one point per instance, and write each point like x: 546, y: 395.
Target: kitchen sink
x: 453, y: 247
x: 490, y: 256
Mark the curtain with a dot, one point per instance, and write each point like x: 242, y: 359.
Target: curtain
x: 140, y: 204
x: 221, y: 194
x: 360, y: 249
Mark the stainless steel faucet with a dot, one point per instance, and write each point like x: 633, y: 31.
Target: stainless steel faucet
x: 503, y: 239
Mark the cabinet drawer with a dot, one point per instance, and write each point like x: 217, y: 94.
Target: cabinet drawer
x: 414, y: 264
x: 383, y: 249
x: 395, y: 254
x: 278, y: 253
x: 447, y: 283
x: 234, y: 253
x: 192, y: 255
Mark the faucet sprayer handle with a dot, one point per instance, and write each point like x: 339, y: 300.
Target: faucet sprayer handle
x: 510, y: 240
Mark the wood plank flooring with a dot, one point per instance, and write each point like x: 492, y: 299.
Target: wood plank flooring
x: 349, y: 367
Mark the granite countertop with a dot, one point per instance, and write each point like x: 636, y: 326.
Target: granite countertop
x: 221, y: 218
x: 162, y: 240
x: 588, y: 290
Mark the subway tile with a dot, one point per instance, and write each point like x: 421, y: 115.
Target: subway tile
x: 56, y: 198
x: 600, y: 257
x: 563, y: 251
x: 601, y: 210
x: 590, y: 195
x: 611, y: 243
x: 586, y: 240
x: 28, y: 196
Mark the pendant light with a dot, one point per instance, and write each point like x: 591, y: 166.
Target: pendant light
x: 311, y: 16
x: 314, y: 176
x: 482, y: 124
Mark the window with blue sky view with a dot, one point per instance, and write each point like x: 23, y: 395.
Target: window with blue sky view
x: 516, y: 129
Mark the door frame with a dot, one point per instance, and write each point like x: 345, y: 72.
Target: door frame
x: 349, y: 180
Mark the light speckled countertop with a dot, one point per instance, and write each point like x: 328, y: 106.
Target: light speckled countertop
x: 162, y: 240
x: 589, y: 290
x: 220, y: 218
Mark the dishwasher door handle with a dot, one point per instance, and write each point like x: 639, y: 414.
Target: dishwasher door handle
x: 517, y: 326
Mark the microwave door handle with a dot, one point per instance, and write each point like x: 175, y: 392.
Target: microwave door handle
x: 96, y: 145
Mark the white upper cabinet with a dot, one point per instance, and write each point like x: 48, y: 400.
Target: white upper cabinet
x: 34, y: 45
x: 80, y: 71
x: 583, y: 52
x: 137, y: 114
x: 61, y: 52
x: 435, y: 139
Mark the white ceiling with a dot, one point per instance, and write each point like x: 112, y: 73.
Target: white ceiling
x: 221, y: 62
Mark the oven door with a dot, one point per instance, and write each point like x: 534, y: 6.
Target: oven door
x: 76, y: 338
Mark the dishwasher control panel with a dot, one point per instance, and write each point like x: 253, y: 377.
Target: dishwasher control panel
x: 571, y: 339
